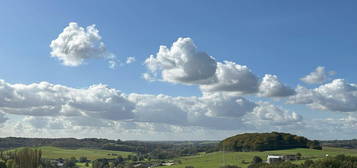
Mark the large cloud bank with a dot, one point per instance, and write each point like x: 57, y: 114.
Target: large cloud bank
x: 46, y: 105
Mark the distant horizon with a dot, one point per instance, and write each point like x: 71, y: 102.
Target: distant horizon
x: 177, y: 70
x: 166, y: 140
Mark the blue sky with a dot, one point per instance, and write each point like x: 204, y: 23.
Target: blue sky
x: 288, y: 39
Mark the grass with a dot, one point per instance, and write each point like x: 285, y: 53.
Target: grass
x: 91, y: 154
x: 217, y: 159
x: 83, y: 165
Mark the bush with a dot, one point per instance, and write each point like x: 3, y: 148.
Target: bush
x: 2, y: 164
x: 307, y: 163
x: 83, y: 159
x: 257, y: 159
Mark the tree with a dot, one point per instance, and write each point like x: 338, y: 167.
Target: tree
x: 100, y: 163
x: 27, y: 158
x: 141, y: 158
x: 2, y: 164
x: 70, y: 163
x: 129, y: 157
x: 308, y: 163
x: 120, y: 159
x: 11, y: 164
x: 298, y: 155
x: 257, y: 159
x: 134, y: 158
x: 83, y: 159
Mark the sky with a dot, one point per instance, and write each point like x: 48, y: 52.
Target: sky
x: 178, y: 70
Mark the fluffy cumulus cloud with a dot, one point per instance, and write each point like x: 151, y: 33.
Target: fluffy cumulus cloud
x: 222, y: 105
x: 317, y: 76
x: 337, y: 95
x: 268, y: 114
x: 211, y: 111
x: 270, y: 86
x: 159, y: 109
x: 182, y: 63
x: 46, y: 99
x: 76, y: 44
x: 231, y: 77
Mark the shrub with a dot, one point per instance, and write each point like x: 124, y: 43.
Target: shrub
x: 257, y: 159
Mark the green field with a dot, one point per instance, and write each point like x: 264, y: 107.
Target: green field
x: 92, y: 154
x: 203, y: 160
x: 217, y: 159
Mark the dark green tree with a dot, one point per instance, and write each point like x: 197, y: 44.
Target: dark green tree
x: 257, y: 159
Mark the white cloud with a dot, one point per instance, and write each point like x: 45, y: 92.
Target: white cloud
x: 268, y: 114
x: 149, y: 77
x: 337, y: 95
x: 77, y: 44
x: 159, y: 109
x: 317, y: 76
x: 99, y: 104
x: 45, y: 122
x: 49, y: 107
x: 222, y: 105
x: 130, y: 60
x: 231, y: 77
x: 332, y: 128
x: 216, y: 111
x: 182, y: 63
x: 270, y: 86
x: 45, y: 99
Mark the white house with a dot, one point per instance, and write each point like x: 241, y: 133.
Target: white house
x: 274, y: 158
x: 279, y: 158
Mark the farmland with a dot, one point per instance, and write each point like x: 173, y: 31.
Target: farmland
x: 217, y: 159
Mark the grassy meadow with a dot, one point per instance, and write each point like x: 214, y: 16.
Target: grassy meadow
x: 92, y: 154
x: 217, y: 159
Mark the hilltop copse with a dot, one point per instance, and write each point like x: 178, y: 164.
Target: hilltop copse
x: 266, y: 141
